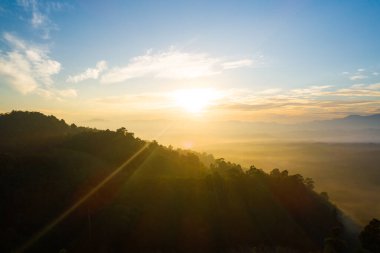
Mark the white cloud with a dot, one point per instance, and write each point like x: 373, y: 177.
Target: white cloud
x: 307, y: 101
x: 52, y: 93
x: 358, y: 77
x: 243, y: 104
x: 17, y: 68
x: 360, y: 74
x: 318, y: 96
x: 237, y: 64
x: 310, y: 91
x: 357, y: 86
x: 375, y: 86
x: 39, y: 18
x: 90, y: 73
x: 27, y: 65
x: 67, y: 93
x: 29, y: 69
x: 172, y: 64
x: 270, y: 91
x: 354, y: 92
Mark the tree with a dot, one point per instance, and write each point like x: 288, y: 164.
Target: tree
x: 334, y: 243
x: 255, y: 171
x: 309, y: 182
x: 275, y: 172
x: 284, y: 173
x: 370, y: 236
x: 121, y: 130
x: 324, y: 195
x: 124, y: 131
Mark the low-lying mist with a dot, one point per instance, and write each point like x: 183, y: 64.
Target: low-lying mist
x: 341, y: 155
x: 349, y: 172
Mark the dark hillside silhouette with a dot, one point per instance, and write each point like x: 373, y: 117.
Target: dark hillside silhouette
x: 370, y: 236
x: 164, y: 200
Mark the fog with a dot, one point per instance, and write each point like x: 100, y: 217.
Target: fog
x: 349, y: 172
x: 341, y: 155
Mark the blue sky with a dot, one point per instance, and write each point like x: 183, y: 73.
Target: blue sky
x: 255, y: 60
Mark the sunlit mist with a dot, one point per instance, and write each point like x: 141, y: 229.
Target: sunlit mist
x: 189, y: 126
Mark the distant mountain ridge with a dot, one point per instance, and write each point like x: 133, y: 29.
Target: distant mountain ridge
x: 373, y: 116
x: 351, y: 121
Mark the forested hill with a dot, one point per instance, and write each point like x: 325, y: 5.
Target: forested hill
x: 164, y: 200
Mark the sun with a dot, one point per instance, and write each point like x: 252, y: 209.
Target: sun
x: 194, y: 100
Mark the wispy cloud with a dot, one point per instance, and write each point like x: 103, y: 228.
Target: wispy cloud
x: 58, y: 94
x: 315, y: 100
x: 375, y: 86
x: 27, y: 65
x: 90, y: 73
x: 358, y: 77
x: 29, y: 68
x: 360, y: 90
x: 270, y: 91
x: 237, y: 64
x: 268, y: 104
x: 172, y: 64
x: 39, y: 14
x: 361, y: 74
x: 310, y: 91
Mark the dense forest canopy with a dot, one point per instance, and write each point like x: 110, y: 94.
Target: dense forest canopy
x: 165, y: 199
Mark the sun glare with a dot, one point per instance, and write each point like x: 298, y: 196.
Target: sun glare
x: 195, y: 100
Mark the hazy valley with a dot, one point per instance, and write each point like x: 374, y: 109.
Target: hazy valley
x: 189, y: 126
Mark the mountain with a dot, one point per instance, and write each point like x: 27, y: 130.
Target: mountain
x: 353, y: 128
x: 350, y: 129
x: 160, y: 199
x: 352, y: 122
x: 204, y: 134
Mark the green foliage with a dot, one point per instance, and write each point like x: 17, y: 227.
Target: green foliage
x: 166, y: 199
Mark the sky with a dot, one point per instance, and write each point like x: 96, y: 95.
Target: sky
x: 103, y: 63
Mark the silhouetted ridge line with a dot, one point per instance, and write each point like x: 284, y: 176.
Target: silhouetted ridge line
x: 169, y: 198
